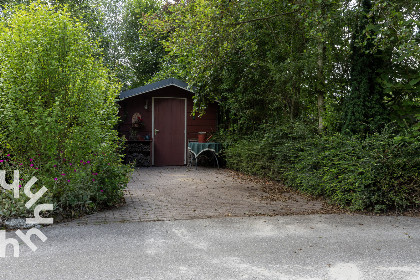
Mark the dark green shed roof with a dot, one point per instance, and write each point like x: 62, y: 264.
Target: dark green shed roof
x: 154, y: 86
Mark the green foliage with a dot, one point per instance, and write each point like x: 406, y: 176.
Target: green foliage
x: 364, y: 109
x: 80, y: 9
x: 240, y: 65
x: 372, y: 174
x: 379, y: 173
x: 143, y: 50
x: 266, y: 61
x: 13, y: 207
x: 258, y: 59
x: 57, y: 109
x: 398, y: 25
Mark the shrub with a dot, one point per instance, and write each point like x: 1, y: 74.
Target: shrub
x: 57, y: 109
x: 377, y: 173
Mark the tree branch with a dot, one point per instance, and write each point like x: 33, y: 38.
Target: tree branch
x: 265, y: 18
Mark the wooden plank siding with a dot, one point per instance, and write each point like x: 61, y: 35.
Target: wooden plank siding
x: 207, y: 122
x: 131, y: 105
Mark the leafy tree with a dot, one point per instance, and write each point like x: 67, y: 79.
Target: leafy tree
x: 364, y: 109
x: 213, y: 47
x: 83, y: 10
x: 261, y: 60
x: 398, y: 24
x: 57, y: 107
x: 143, y: 50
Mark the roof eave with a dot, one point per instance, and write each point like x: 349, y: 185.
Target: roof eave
x: 171, y: 82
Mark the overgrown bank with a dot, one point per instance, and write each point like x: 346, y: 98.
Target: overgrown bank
x: 380, y: 172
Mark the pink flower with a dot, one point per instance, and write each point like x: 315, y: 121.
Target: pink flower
x: 8, y: 155
x: 31, y: 165
x: 81, y: 161
x: 31, y: 159
x: 36, y: 167
x: 93, y: 180
x: 88, y: 161
x: 70, y: 163
x: 102, y: 191
x: 55, y: 179
x: 20, y: 163
x: 20, y: 186
x: 55, y: 165
x: 75, y: 170
x: 64, y: 174
x: 68, y: 180
x: 1, y: 160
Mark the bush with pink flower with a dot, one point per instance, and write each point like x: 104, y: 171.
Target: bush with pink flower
x: 57, y: 110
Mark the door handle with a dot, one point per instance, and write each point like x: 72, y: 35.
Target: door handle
x: 156, y: 131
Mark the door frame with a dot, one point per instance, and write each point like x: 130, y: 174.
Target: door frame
x: 153, y: 127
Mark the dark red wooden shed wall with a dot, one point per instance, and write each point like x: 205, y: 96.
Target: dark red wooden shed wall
x: 131, y: 105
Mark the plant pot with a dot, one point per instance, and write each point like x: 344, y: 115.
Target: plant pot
x: 201, y: 137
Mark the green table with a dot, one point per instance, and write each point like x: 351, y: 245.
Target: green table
x: 197, y: 148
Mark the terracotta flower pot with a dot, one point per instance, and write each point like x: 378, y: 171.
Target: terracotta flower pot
x: 201, y: 137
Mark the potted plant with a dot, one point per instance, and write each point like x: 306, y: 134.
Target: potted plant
x: 137, y: 121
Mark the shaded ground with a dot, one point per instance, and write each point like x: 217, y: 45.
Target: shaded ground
x: 174, y: 193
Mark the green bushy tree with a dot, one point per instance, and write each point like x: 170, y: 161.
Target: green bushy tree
x: 143, y: 50
x: 57, y: 108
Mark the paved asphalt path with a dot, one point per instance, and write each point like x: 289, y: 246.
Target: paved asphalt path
x: 282, y: 247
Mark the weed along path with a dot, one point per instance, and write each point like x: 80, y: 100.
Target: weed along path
x: 178, y: 193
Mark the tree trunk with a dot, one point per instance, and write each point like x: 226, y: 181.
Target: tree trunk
x: 320, y: 77
x: 321, y: 86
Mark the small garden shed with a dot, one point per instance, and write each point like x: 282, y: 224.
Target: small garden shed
x: 157, y: 121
